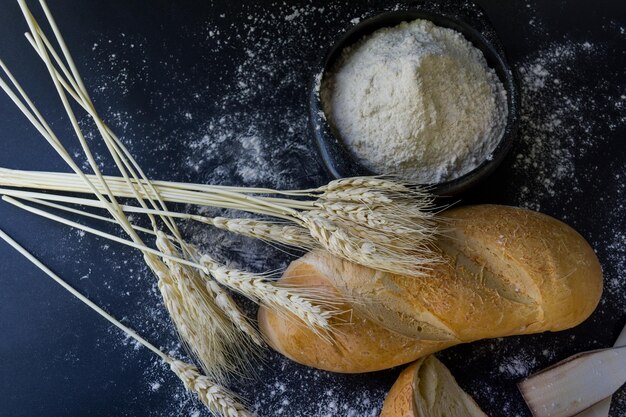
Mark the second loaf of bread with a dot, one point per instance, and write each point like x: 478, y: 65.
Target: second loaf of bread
x: 507, y: 271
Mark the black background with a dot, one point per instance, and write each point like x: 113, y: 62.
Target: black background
x: 59, y: 359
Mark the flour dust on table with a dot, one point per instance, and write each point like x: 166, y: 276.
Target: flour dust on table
x: 248, y: 126
x: 565, y: 113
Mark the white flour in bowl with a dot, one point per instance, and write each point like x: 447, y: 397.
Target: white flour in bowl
x: 416, y: 100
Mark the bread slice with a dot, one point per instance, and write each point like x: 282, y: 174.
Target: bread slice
x: 428, y: 389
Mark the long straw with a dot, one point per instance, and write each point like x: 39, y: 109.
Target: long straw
x: 269, y: 231
x: 253, y: 286
x: 216, y: 327
x: 91, y: 230
x: 217, y: 399
x: 81, y: 297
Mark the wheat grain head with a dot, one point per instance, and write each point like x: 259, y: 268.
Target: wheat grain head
x: 219, y: 346
x: 228, y: 306
x: 381, y: 247
x: 311, y: 307
x: 288, y: 235
x: 218, y: 399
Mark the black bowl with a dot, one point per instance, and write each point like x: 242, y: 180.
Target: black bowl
x: 332, y: 150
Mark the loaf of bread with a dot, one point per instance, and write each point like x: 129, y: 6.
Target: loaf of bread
x: 507, y: 271
x: 427, y: 389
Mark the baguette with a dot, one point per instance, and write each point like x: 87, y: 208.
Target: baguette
x: 427, y: 389
x: 507, y: 271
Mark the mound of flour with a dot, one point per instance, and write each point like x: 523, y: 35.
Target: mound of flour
x: 416, y: 100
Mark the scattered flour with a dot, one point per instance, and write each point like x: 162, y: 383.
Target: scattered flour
x: 553, y: 133
x: 246, y: 136
x: 517, y: 366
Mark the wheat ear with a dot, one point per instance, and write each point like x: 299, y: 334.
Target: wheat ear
x: 227, y: 304
x: 200, y: 301
x: 288, y: 235
x: 219, y: 400
x: 204, y: 331
x: 309, y: 307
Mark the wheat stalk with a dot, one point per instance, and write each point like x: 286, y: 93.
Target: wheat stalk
x: 217, y: 399
x: 183, y: 294
x: 269, y: 231
x: 312, y: 308
x: 390, y: 211
x: 302, y: 302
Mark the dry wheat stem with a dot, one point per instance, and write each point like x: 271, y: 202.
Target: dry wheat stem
x: 182, y: 305
x: 222, y: 299
x: 200, y: 325
x: 113, y: 144
x: 39, y: 123
x: 78, y: 212
x: 32, y: 24
x: 215, y: 397
x: 109, y: 139
x: 186, y: 330
x: 202, y: 194
x: 214, y: 198
x: 288, y: 235
x: 118, y: 151
x: 406, y: 223
x: 145, y: 249
x: 398, y: 223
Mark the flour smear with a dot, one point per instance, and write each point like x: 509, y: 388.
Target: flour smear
x: 244, y: 135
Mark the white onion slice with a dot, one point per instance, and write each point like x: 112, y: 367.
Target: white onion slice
x: 575, y: 384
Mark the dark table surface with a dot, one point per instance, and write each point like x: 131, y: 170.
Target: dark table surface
x: 216, y: 92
